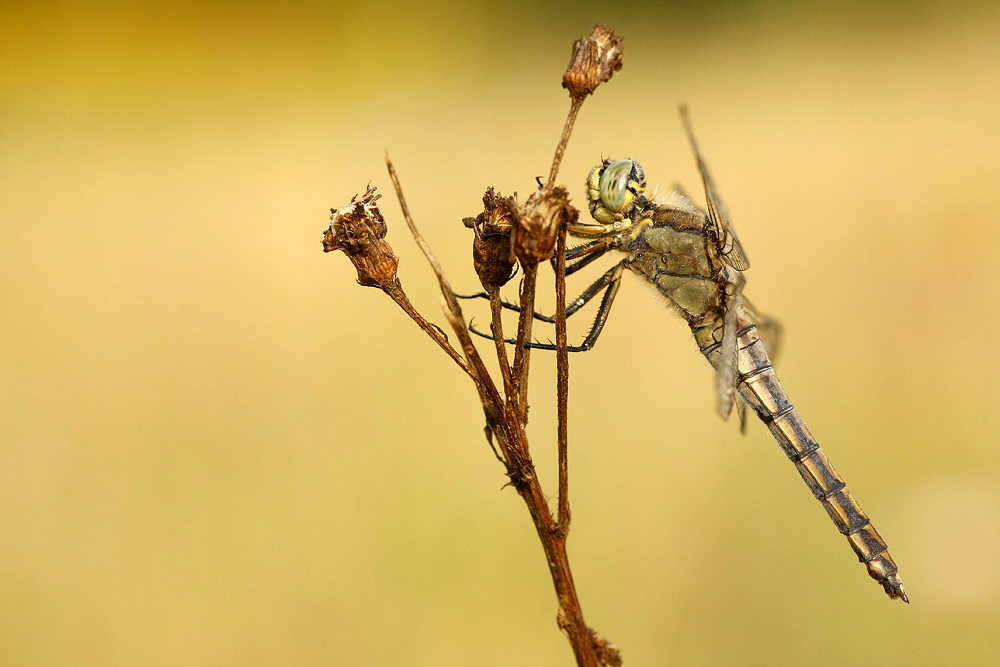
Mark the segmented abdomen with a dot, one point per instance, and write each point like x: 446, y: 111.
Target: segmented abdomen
x: 760, y: 388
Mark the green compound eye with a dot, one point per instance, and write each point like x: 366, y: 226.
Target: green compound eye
x: 620, y: 182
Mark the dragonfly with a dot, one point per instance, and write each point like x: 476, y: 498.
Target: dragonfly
x: 694, y: 259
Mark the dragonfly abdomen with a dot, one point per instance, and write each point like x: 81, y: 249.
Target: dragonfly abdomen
x: 760, y: 388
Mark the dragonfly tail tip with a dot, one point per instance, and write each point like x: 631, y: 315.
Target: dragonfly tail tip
x: 894, y: 587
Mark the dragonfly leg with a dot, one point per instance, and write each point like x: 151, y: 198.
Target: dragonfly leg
x: 585, y: 254
x: 602, y: 313
x: 609, y: 283
x: 611, y: 277
x: 574, y: 306
x: 505, y: 304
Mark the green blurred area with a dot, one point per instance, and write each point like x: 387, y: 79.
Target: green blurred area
x: 217, y: 449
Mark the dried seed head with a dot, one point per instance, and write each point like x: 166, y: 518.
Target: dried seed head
x: 537, y: 224
x: 491, y: 246
x: 595, y: 59
x: 359, y: 230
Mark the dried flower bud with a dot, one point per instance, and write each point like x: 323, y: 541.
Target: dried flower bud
x: 359, y: 230
x: 491, y: 246
x: 595, y: 59
x: 537, y: 224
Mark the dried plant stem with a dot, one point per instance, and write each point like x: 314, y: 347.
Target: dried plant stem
x: 496, y: 328
x: 506, y: 422
x: 522, y: 354
x: 399, y: 296
x: 417, y: 236
x: 574, y: 109
x: 594, y: 60
x: 453, y: 310
x: 562, y: 381
x: 488, y: 394
x: 449, y: 295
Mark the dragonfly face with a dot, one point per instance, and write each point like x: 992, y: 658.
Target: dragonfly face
x: 612, y: 189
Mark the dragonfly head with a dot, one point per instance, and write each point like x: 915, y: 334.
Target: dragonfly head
x: 612, y: 189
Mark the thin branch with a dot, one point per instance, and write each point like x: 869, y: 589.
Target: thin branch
x: 595, y: 59
x: 562, y: 382
x: 455, y: 317
x: 428, y: 253
x: 574, y: 109
x: 488, y: 393
x: 431, y: 329
x: 446, y: 291
x: 522, y: 354
x: 496, y: 326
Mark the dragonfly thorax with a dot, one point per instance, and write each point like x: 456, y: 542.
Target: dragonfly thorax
x: 612, y: 189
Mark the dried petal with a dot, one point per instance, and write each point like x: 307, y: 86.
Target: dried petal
x: 537, y: 224
x: 595, y: 59
x: 359, y: 230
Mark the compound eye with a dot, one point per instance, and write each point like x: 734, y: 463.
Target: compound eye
x: 614, y: 191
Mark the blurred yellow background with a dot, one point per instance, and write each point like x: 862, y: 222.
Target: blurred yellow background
x: 216, y: 449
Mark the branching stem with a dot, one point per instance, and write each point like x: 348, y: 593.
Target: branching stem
x: 506, y: 416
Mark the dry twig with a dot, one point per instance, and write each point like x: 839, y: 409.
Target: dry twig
x: 505, y: 232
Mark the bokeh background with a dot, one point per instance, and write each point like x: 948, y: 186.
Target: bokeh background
x: 217, y: 449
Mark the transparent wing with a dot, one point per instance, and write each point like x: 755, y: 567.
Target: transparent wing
x: 741, y: 411
x: 726, y: 375
x: 729, y: 245
x: 770, y: 330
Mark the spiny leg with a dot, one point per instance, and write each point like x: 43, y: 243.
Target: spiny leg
x: 585, y: 254
x: 602, y: 313
x: 574, y: 306
x: 506, y: 305
x: 609, y: 283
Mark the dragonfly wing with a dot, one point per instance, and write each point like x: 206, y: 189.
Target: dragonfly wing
x: 741, y: 412
x: 770, y: 330
x: 729, y: 245
x: 726, y: 376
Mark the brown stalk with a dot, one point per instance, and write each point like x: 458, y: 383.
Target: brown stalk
x: 504, y: 420
x: 488, y: 394
x: 535, y: 231
x: 449, y: 295
x: 522, y: 354
x: 562, y: 382
x: 574, y: 109
x: 496, y: 328
x: 434, y: 331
